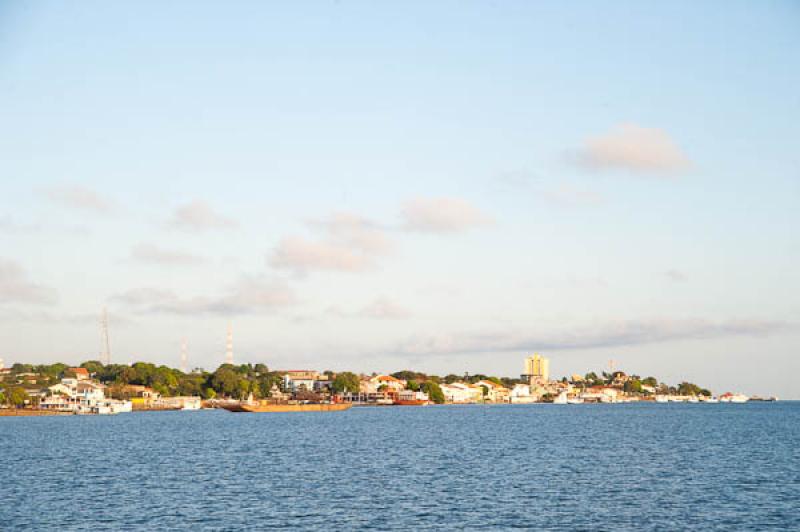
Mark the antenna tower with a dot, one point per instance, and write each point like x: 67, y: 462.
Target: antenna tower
x: 106, y: 358
x: 229, y: 346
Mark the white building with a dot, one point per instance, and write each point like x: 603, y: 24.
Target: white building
x: 82, y: 397
x: 461, y: 393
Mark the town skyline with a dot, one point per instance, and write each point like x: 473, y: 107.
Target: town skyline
x: 383, y: 187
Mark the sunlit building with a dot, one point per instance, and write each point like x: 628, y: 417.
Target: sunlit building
x: 537, y: 369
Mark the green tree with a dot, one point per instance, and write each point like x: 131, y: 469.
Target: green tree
x: 346, y: 382
x: 632, y: 386
x: 17, y: 396
x: 434, y: 392
x: 650, y: 381
x: 412, y: 385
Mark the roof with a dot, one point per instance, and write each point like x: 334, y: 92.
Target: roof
x: 79, y: 371
x: 387, y: 378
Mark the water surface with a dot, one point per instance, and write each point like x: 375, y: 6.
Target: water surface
x: 546, y: 467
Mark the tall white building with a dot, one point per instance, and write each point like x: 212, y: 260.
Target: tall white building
x: 537, y: 368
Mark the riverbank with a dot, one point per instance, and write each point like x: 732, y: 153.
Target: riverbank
x: 16, y: 412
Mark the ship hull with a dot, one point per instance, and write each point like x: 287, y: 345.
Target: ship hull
x: 411, y: 402
x: 262, y: 408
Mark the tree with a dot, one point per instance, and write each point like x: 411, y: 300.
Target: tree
x: 650, y: 381
x: 632, y: 386
x: 17, y: 396
x: 2, y: 398
x: 434, y: 392
x: 412, y: 385
x: 346, y: 382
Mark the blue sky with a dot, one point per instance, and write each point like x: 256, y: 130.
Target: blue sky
x: 446, y: 186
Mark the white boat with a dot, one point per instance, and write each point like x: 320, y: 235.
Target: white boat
x: 662, y: 399
x: 575, y: 400
x: 693, y: 399
x: 561, y: 399
x: 739, y: 398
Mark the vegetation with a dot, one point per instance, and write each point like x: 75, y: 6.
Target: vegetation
x: 239, y: 381
x: 434, y: 391
x: 345, y: 382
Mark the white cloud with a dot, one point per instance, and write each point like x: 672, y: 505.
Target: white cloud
x: 442, y: 215
x: 354, y: 231
x: 249, y: 295
x: 199, y: 216
x: 153, y: 254
x: 81, y: 198
x: 348, y: 243
x: 604, y: 335
x: 302, y: 256
x: 15, y: 287
x: 384, y: 308
x: 634, y: 148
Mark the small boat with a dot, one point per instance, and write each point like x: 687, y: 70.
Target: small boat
x: 575, y: 400
x: 561, y: 399
x: 693, y: 399
x: 739, y: 398
x: 662, y: 399
x: 411, y: 402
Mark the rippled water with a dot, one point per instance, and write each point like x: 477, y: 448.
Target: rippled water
x: 667, y: 467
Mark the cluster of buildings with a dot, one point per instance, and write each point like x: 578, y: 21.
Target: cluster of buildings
x: 81, y: 395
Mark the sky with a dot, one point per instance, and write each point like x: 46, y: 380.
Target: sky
x: 441, y: 186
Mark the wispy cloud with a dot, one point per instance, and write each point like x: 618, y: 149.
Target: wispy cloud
x: 442, y: 215
x: 15, y: 287
x: 198, y: 216
x: 381, y: 308
x: 80, y: 198
x: 346, y: 243
x: 9, y: 226
x: 634, y: 148
x: 676, y: 275
x: 152, y: 254
x: 567, y: 195
x: 249, y: 295
x: 605, y: 335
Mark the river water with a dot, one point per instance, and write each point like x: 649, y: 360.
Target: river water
x: 545, y: 467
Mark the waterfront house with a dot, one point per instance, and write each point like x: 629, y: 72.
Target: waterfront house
x: 81, y: 397
x: 496, y: 393
x: 521, y: 393
x: 298, y: 380
x: 461, y: 393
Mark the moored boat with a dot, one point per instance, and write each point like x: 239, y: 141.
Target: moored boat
x: 268, y: 406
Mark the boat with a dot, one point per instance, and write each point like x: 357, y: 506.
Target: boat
x: 739, y: 398
x: 662, y: 399
x: 693, y: 399
x: 561, y: 399
x: 574, y: 400
x: 411, y: 402
x: 271, y: 406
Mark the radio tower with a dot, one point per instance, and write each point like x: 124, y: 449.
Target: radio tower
x: 229, y: 346
x: 184, y: 355
x: 106, y: 359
